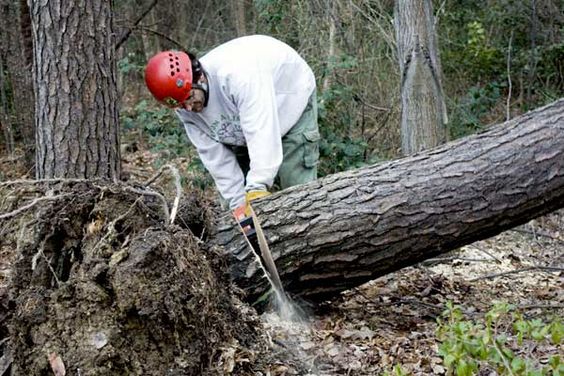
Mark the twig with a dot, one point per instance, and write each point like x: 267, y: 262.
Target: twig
x: 177, y: 184
x: 137, y: 21
x: 497, y: 259
x: 530, y: 268
x: 39, y: 181
x: 32, y: 204
x: 536, y: 233
x: 501, y: 354
x: 164, y: 36
x: 23, y: 229
x: 154, y: 194
x: 455, y: 258
x: 376, y: 108
x: 42, y: 254
x: 112, y: 226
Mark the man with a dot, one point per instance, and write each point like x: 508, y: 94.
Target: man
x: 249, y: 107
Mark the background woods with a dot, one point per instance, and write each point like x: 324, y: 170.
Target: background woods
x: 499, y: 59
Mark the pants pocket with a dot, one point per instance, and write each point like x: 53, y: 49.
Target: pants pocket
x: 311, y: 148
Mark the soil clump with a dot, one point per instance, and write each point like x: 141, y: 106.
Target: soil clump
x: 102, y: 285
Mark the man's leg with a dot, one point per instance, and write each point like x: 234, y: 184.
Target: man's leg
x: 301, y: 149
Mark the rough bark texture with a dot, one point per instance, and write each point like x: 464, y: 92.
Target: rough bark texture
x: 348, y: 228
x: 15, y: 50
x: 240, y: 19
x: 75, y: 86
x: 423, y: 113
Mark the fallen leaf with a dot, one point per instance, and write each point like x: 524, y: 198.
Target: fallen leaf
x: 307, y: 345
x: 333, y: 351
x: 99, y: 340
x: 364, y: 333
x: 57, y: 364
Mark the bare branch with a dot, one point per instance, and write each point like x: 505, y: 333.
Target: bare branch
x: 154, y: 194
x: 39, y: 181
x: 164, y: 36
x: 32, y: 204
x: 528, y: 269
x: 177, y: 184
x: 137, y: 21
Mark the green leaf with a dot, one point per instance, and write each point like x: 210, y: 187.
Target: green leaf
x: 556, y: 332
x: 464, y: 369
x: 518, y: 364
x: 449, y: 360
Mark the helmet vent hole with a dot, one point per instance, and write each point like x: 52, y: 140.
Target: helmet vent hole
x: 172, y: 73
x: 171, y: 66
x: 177, y: 69
x: 177, y: 63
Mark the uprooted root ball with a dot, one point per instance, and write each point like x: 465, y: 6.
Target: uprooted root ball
x: 102, y: 286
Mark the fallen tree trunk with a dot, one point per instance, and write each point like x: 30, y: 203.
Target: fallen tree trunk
x: 348, y: 228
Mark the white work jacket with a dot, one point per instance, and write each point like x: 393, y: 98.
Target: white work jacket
x: 258, y: 89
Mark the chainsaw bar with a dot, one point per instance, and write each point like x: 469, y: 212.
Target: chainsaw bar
x: 257, y: 241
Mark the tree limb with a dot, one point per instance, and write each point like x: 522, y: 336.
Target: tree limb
x: 129, y: 30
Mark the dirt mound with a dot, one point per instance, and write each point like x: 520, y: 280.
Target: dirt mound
x: 102, y: 286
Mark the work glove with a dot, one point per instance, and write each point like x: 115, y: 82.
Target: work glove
x: 244, y: 210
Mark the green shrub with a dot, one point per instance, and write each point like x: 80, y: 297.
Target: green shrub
x: 468, y: 115
x: 165, y: 135
x: 469, y: 346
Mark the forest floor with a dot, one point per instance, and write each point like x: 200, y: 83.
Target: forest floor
x: 392, y: 321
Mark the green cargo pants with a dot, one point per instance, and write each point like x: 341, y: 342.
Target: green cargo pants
x: 300, y: 148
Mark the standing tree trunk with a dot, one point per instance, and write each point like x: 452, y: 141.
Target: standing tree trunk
x: 331, y: 9
x: 75, y: 89
x: 5, y: 121
x: 15, y: 50
x: 239, y: 11
x: 349, y: 228
x: 423, y: 112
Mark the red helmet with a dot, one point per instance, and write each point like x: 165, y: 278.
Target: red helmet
x: 168, y: 76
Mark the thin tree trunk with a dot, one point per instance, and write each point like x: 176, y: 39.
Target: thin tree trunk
x: 75, y: 86
x: 23, y: 96
x: 348, y: 228
x: 423, y: 117
x: 532, y: 54
x: 240, y: 19
x: 5, y: 122
x: 331, y: 14
x: 17, y: 78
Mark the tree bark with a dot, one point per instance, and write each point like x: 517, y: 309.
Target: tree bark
x: 75, y: 87
x: 349, y: 228
x: 18, y: 110
x: 239, y: 11
x: 423, y: 112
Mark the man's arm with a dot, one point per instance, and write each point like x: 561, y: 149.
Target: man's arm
x: 221, y: 163
x: 261, y: 127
